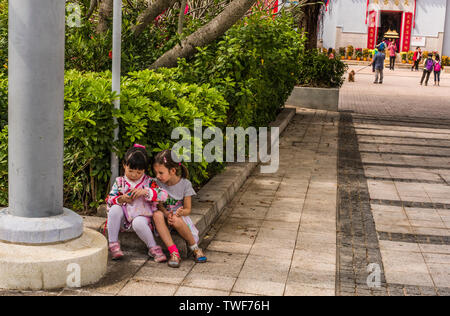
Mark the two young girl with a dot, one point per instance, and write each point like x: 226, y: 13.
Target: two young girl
x: 138, y: 202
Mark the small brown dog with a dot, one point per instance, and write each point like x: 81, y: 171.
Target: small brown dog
x: 351, y: 76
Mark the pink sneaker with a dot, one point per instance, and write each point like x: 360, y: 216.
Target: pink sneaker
x: 116, y: 253
x: 157, y: 254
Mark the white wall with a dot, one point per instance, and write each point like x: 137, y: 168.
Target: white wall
x: 430, y: 17
x: 352, y: 17
x: 329, y: 24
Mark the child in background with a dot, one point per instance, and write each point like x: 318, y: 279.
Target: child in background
x: 437, y: 69
x: 131, y: 203
x: 173, y: 178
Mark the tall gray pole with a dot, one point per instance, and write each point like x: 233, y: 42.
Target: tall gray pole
x: 446, y: 46
x: 36, y: 125
x: 116, y: 53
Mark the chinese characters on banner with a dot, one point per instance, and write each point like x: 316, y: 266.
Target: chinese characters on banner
x: 407, y: 31
x: 372, y: 31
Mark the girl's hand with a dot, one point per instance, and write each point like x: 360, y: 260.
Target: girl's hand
x: 180, y: 212
x: 137, y: 193
x: 124, y: 199
x: 170, y: 218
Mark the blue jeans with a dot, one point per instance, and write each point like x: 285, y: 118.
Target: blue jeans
x: 437, y: 74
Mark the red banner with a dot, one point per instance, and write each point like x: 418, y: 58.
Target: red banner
x: 372, y: 31
x: 407, y: 30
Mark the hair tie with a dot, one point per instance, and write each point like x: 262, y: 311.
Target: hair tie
x: 179, y: 163
x: 138, y: 146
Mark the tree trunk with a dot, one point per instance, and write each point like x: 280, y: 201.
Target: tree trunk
x: 311, y: 25
x: 181, y: 17
x: 105, y: 13
x: 150, y: 14
x: 206, y: 34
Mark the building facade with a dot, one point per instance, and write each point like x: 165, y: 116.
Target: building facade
x: 364, y: 23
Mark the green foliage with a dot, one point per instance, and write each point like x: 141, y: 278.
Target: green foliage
x: 3, y: 36
x: 317, y: 70
x: 254, y: 65
x: 152, y: 104
x: 4, y: 165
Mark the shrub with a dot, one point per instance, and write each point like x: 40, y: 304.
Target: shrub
x: 152, y: 105
x: 255, y: 66
x: 350, y: 51
x: 317, y: 70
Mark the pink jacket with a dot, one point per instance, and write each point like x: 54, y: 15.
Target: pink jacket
x: 144, y: 206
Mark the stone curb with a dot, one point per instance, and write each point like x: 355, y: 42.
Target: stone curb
x: 211, y: 199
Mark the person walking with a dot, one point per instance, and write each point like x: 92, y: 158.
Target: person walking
x: 428, y: 67
x: 378, y: 64
x: 417, y: 57
x: 437, y: 69
x: 392, y: 54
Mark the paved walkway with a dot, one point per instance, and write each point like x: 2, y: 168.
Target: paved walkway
x: 359, y: 206
x: 400, y: 95
x: 394, y: 188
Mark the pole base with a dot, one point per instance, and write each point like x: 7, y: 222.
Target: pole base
x: 71, y: 264
x: 42, y: 230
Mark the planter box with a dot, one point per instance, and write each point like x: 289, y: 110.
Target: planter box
x: 315, y: 98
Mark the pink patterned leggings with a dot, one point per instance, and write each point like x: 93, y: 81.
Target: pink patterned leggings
x: 116, y: 219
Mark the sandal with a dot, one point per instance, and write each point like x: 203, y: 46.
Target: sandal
x: 175, y: 260
x: 199, y: 257
x: 116, y: 253
x: 157, y: 254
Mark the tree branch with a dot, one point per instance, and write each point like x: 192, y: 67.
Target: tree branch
x: 150, y: 14
x: 206, y: 34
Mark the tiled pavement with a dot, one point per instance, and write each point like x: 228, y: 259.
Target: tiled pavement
x: 370, y: 185
x: 395, y: 175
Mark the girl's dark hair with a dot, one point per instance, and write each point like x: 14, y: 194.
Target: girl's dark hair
x: 136, y: 158
x: 165, y: 159
x: 437, y: 57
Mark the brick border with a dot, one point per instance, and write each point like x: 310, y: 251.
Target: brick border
x: 357, y: 240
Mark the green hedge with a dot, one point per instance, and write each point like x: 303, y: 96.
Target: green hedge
x: 255, y: 66
x: 318, y: 70
x: 152, y: 104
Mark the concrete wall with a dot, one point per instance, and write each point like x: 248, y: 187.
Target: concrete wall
x: 430, y: 18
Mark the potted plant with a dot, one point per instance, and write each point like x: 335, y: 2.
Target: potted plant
x: 342, y: 51
x: 358, y: 54
x: 350, y: 50
x: 445, y: 60
x: 365, y: 54
x: 403, y: 56
x: 410, y: 57
x: 425, y: 55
